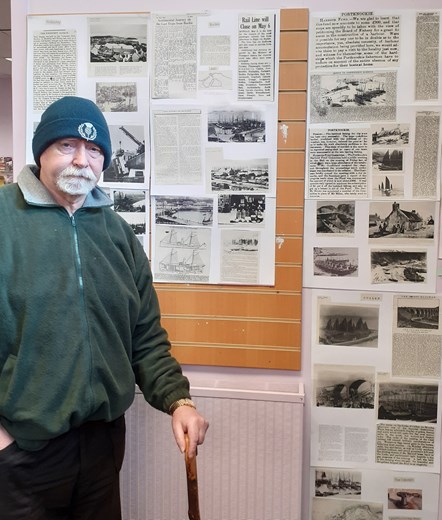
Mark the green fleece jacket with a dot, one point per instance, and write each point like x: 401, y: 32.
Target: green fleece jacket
x: 79, y: 317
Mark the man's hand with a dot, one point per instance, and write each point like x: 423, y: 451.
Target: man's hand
x: 186, y: 419
x: 5, y: 438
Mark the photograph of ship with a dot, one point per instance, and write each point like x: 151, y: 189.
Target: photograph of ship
x: 345, y: 509
x: 117, y: 97
x: 333, y: 483
x: 236, y: 126
x: 387, y: 134
x: 335, y: 217
x: 388, y: 186
x: 353, y: 96
x: 407, y: 402
x: 181, y: 238
x: 344, y: 386
x: 348, y: 325
x: 128, y: 156
x: 184, y: 211
x: 387, y: 160
x: 407, y: 219
x: 398, y: 266
x: 240, y: 175
x: 131, y: 205
x: 182, y: 253
x: 335, y: 261
x: 405, y: 499
x: 241, y: 209
x: 418, y: 317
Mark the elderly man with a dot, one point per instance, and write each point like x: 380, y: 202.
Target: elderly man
x: 79, y: 328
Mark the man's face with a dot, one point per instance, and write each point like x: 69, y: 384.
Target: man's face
x: 71, y: 166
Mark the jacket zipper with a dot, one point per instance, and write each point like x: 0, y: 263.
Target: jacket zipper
x: 77, y: 255
x: 81, y: 289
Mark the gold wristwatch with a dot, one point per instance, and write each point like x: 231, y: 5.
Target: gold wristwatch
x: 181, y: 402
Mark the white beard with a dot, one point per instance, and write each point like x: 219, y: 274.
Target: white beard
x: 76, y: 181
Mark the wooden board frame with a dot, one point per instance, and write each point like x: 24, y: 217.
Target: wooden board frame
x: 257, y: 326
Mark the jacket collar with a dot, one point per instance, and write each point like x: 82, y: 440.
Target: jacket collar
x: 36, y: 194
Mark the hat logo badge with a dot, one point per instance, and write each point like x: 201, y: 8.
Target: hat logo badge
x: 87, y: 131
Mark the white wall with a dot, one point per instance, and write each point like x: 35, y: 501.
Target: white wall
x: 5, y: 117
x: 19, y: 10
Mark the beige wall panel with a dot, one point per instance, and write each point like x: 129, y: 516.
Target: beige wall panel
x: 293, y: 76
x: 291, y: 165
x: 289, y: 251
x: 290, y: 193
x: 236, y: 332
x: 293, y: 19
x: 289, y: 221
x: 293, y: 46
x: 238, y: 357
x: 219, y: 304
x: 291, y: 135
x: 291, y: 106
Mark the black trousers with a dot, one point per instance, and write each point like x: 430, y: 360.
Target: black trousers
x: 75, y: 477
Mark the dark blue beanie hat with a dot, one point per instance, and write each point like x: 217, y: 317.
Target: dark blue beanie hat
x: 72, y: 116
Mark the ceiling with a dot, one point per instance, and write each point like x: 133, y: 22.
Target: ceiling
x: 5, y: 38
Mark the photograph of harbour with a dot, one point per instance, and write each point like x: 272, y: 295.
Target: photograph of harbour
x: 240, y: 175
x: 408, y: 402
x: 184, y: 211
x: 353, y: 96
x: 348, y: 325
x: 337, y: 483
x: 236, y: 126
x: 131, y: 205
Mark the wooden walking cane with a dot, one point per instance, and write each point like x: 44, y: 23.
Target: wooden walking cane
x: 192, y: 484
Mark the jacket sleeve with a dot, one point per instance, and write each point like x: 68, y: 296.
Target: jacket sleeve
x: 157, y: 372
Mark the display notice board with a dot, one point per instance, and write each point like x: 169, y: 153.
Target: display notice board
x: 257, y: 326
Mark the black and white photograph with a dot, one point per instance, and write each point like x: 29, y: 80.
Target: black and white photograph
x: 407, y: 402
x: 388, y: 186
x: 348, y: 325
x: 245, y: 210
x: 342, y: 509
x: 335, y: 218
x: 236, y: 126
x: 131, y: 205
x: 128, y: 155
x: 405, y: 499
x: 339, y: 483
x: 182, y: 254
x: 240, y: 175
x: 344, y: 386
x: 390, y: 134
x: 387, y: 160
x: 184, y: 211
x: 402, y: 220
x: 117, y: 96
x: 397, y: 266
x: 335, y: 261
x: 418, y: 317
x: 116, y: 40
x: 354, y: 96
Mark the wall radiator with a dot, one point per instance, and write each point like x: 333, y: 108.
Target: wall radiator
x: 249, y: 467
